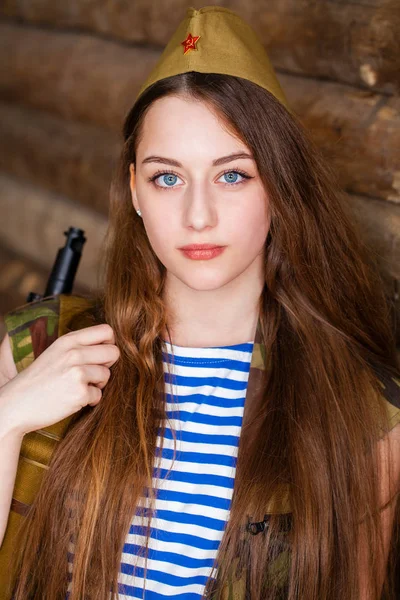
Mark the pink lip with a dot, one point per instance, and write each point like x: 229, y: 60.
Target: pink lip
x: 200, y: 247
x: 203, y: 253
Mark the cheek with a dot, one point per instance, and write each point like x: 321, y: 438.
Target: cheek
x: 162, y: 234
x: 251, y: 226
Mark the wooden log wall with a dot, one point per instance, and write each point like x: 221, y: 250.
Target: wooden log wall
x: 72, y: 71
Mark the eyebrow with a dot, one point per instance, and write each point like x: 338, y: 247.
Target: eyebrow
x: 215, y: 163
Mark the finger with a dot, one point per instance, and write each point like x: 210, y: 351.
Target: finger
x: 95, y: 395
x: 95, y: 334
x: 96, y: 375
x: 102, y: 354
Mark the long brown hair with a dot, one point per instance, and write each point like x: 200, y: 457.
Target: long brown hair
x: 326, y: 326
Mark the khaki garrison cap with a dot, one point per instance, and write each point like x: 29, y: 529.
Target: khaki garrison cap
x: 215, y: 39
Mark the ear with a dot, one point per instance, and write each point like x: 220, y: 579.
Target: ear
x: 132, y: 185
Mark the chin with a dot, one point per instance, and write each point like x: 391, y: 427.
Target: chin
x: 203, y: 282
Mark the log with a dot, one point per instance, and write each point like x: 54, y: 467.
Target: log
x: 33, y: 222
x: 66, y: 157
x: 352, y: 41
x: 357, y: 130
x: 379, y: 226
x: 349, y: 41
x: 76, y: 76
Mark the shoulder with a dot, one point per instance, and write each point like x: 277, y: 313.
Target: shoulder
x: 32, y: 327
x: 389, y: 385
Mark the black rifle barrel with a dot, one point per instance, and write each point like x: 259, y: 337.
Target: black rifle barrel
x: 63, y: 273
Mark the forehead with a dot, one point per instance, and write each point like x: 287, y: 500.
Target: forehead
x: 176, y: 122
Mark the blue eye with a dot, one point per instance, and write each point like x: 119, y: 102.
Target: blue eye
x: 169, y: 178
x: 230, y: 173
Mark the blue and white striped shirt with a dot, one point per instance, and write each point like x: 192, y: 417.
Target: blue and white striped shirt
x: 193, y: 503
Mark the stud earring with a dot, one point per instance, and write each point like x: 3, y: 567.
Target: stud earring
x: 139, y: 213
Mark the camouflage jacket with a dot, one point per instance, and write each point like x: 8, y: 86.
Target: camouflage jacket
x: 32, y: 328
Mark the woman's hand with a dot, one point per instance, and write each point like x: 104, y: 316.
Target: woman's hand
x: 70, y: 374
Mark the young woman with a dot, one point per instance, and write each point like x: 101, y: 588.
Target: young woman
x: 241, y: 408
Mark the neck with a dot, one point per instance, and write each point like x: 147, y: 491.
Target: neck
x: 219, y: 317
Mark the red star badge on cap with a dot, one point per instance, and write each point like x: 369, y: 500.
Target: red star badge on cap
x: 190, y: 43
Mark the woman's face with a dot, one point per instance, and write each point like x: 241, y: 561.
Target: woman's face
x: 193, y: 201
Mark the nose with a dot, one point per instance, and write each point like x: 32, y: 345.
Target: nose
x: 200, y: 209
